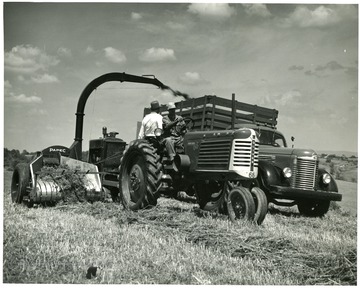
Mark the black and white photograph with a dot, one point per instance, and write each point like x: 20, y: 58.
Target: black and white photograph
x: 180, y: 143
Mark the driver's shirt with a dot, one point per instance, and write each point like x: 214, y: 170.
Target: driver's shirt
x: 149, y: 124
x: 177, y: 130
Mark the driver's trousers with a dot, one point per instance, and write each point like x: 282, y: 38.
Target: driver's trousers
x: 172, y: 142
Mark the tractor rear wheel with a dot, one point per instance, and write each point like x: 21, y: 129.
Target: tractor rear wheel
x: 209, y: 195
x: 261, y: 204
x: 139, y: 176
x: 240, y: 204
x: 20, y: 180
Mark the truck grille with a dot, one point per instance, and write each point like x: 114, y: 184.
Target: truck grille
x: 246, y: 153
x: 214, y: 154
x: 305, y: 173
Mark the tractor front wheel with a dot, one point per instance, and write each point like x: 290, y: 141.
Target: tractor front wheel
x: 139, y: 175
x: 261, y: 204
x: 240, y: 204
x: 20, y: 180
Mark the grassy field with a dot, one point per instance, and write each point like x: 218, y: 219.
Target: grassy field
x: 176, y: 243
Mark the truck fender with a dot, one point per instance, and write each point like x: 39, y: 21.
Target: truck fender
x: 268, y: 174
x: 332, y: 186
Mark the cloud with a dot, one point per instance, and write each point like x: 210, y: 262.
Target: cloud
x: 44, y: 78
x: 319, y: 17
x: 7, y: 85
x: 157, y: 54
x: 175, y: 25
x: 89, y: 50
x: 217, y: 11
x: 257, y: 10
x: 191, y: 78
x: 28, y: 59
x: 289, y: 97
x: 64, y: 52
x: 136, y: 16
x: 22, y: 98
x: 114, y: 55
x: 37, y: 111
x: 332, y: 65
x: 296, y: 67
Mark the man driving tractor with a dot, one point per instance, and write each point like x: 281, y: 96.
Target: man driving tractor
x: 174, y: 129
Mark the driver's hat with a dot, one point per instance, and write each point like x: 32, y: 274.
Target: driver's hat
x: 171, y: 105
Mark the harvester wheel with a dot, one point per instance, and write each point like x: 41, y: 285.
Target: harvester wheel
x: 20, y: 180
x: 313, y: 209
x: 261, y: 204
x: 209, y: 195
x: 140, y: 171
x: 240, y: 204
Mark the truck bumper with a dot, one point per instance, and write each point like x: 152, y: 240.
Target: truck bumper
x: 297, y: 194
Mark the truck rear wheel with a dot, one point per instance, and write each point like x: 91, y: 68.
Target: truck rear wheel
x: 20, y: 180
x: 139, y: 175
x: 313, y: 209
x: 261, y: 204
x: 240, y: 204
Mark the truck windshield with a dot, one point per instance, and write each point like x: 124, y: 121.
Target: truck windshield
x: 272, y: 138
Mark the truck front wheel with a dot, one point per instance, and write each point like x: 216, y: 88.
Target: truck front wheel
x: 313, y: 209
x: 139, y: 175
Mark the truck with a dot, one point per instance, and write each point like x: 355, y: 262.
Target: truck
x: 288, y: 176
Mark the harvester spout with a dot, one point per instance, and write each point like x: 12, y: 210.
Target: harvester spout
x: 76, y: 147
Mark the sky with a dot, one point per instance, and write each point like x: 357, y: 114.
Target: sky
x: 299, y: 59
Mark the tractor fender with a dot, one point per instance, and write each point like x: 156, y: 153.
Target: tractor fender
x: 268, y: 175
x: 332, y: 186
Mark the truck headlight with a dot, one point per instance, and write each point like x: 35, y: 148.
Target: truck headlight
x: 287, y: 172
x: 158, y: 132
x: 326, y: 178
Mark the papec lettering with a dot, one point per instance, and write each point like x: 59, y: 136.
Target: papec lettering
x: 57, y: 150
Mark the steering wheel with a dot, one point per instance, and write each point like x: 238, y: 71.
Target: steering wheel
x: 189, y: 125
x: 189, y: 122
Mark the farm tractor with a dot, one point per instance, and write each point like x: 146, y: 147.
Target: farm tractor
x: 223, y: 142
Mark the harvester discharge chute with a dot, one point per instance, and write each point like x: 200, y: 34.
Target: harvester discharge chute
x: 40, y: 181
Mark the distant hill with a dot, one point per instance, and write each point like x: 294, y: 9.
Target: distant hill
x: 338, y: 153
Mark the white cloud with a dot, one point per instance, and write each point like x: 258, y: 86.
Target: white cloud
x: 45, y: 78
x: 288, y: 97
x: 319, y: 17
x: 218, y: 11
x: 89, y: 50
x: 114, y: 55
x: 157, y: 54
x: 257, y: 10
x: 7, y: 84
x: 136, y: 16
x: 191, y: 78
x: 64, y: 52
x: 175, y: 25
x: 37, y: 111
x: 28, y: 59
x: 22, y: 98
